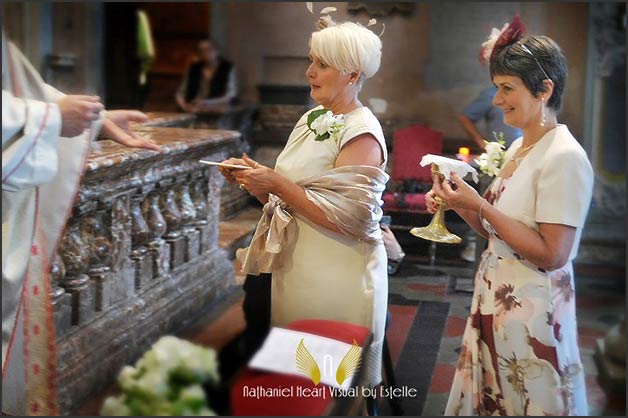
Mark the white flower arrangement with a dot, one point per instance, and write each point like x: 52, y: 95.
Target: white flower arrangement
x: 167, y: 380
x: 491, y: 161
x: 489, y: 44
x: 325, y: 124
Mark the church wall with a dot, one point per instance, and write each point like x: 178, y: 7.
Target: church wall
x: 429, y: 66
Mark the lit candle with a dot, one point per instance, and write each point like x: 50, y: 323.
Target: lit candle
x: 464, y: 151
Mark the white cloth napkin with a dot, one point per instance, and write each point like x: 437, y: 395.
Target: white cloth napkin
x: 447, y: 165
x: 278, y: 354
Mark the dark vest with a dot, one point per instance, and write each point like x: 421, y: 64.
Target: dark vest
x: 217, y: 84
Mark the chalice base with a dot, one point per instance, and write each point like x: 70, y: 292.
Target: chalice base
x: 436, y: 234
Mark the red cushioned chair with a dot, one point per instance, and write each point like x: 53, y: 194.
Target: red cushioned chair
x: 409, y: 181
x: 342, y: 331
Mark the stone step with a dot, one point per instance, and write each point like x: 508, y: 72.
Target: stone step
x: 237, y: 231
x: 612, y: 375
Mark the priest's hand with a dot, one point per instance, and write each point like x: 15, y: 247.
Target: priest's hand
x: 77, y: 113
x: 117, y: 127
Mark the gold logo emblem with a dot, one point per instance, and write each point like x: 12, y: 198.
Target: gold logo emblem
x: 307, y: 365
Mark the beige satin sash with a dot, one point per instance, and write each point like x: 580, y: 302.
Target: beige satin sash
x: 349, y: 196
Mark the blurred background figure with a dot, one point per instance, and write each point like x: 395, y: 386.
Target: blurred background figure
x: 394, y: 252
x: 481, y: 108
x: 210, y: 81
x: 145, y: 53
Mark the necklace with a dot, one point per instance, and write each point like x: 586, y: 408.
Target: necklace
x: 521, y: 152
x: 514, y: 161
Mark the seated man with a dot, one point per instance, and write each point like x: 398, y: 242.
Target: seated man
x: 210, y: 81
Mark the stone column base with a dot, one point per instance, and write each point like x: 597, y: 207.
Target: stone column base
x: 114, y: 341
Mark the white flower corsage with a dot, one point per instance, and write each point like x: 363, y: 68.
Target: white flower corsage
x: 491, y: 161
x: 325, y: 124
x: 487, y: 47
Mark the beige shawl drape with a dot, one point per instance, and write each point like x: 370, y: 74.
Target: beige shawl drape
x: 349, y: 196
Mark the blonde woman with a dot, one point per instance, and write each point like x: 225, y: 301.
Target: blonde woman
x: 319, y: 236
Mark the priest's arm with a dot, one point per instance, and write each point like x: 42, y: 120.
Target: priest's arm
x: 30, y: 135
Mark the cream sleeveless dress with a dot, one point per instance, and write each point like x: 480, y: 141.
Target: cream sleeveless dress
x: 329, y: 275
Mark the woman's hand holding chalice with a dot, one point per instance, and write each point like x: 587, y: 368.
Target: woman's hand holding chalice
x: 435, y: 201
x: 455, y: 193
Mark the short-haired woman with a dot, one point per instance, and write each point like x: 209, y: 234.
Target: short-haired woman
x: 319, y: 235
x: 519, y: 351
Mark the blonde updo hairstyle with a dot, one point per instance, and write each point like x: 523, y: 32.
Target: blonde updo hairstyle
x: 348, y: 47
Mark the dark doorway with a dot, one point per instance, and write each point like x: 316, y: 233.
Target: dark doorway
x: 122, y: 66
x: 176, y: 28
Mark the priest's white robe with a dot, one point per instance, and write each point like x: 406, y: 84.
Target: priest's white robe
x: 40, y: 177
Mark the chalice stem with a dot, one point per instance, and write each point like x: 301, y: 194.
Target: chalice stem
x: 436, y: 230
x: 439, y: 216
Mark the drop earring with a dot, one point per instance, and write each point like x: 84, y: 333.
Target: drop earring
x: 543, y: 111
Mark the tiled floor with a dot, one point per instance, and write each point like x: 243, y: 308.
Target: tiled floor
x: 600, y: 304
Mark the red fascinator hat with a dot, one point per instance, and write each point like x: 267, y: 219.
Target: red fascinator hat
x: 498, y: 39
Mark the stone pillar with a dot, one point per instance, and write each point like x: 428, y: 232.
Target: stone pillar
x: 157, y: 246
x: 61, y: 300
x: 604, y: 235
x: 76, y: 257
x: 173, y: 236
x: 99, y: 271
x: 188, y: 218
x: 140, y: 236
x: 199, y: 197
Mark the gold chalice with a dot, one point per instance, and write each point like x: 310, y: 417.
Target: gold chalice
x: 436, y: 230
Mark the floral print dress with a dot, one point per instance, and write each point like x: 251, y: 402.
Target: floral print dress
x: 519, y: 352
